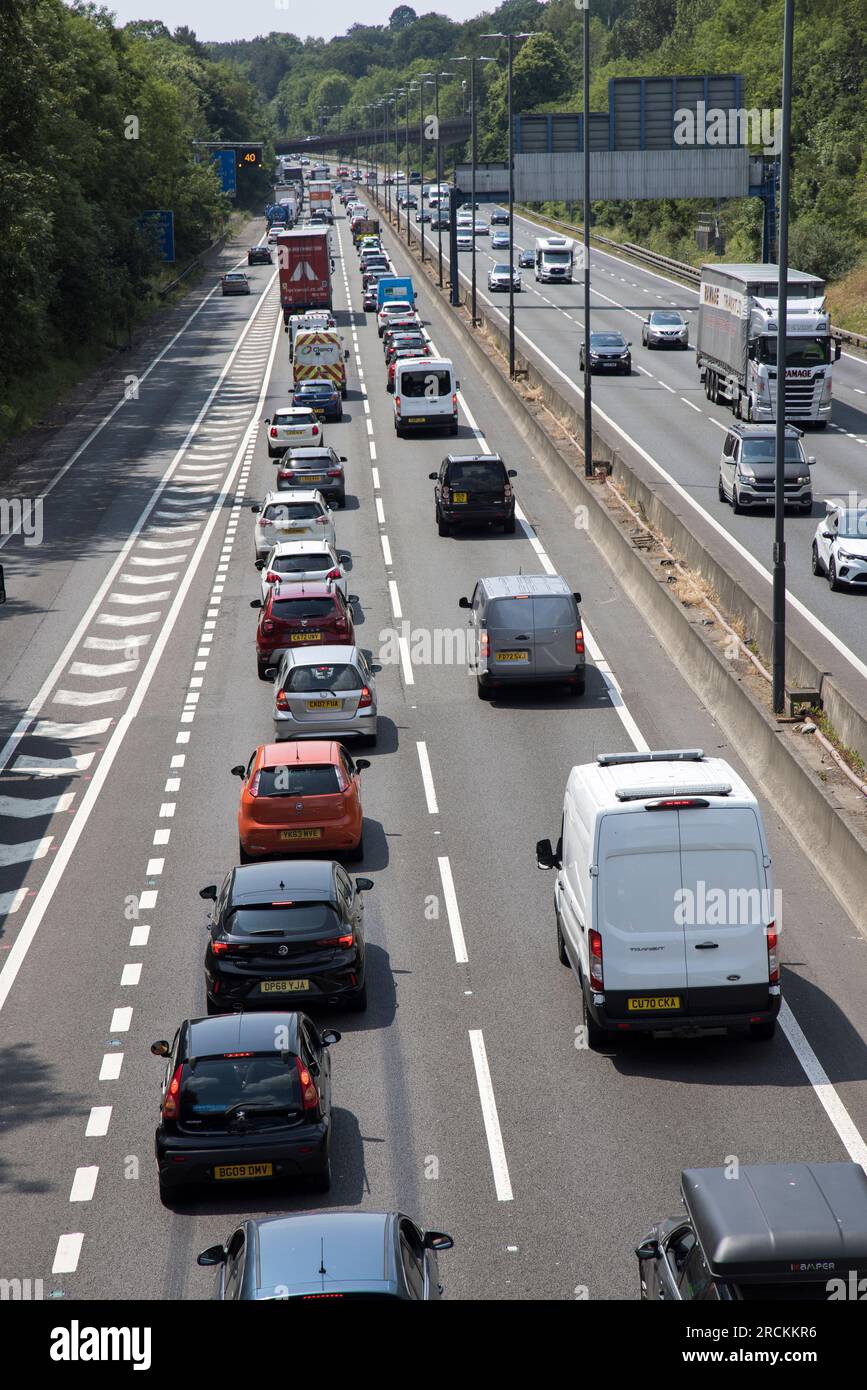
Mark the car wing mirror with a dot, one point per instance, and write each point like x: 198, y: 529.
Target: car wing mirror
x: 433, y: 477
x: 577, y: 598
x: 238, y: 770
x: 343, y: 458
x: 361, y: 764
x: 463, y: 602
x: 364, y: 885
x: 838, y: 350
x: 161, y: 1048
x: 330, y: 1037
x: 214, y: 1255
x: 513, y: 472
x: 255, y: 509
x: 545, y: 856
x: 209, y: 893
x: 811, y: 459
x: 260, y: 564
x: 437, y: 1240
x: 648, y: 1249
x: 270, y: 673
x: 256, y: 603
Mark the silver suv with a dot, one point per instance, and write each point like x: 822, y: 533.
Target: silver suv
x: 747, y: 468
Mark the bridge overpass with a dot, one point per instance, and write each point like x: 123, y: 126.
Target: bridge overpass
x: 452, y: 132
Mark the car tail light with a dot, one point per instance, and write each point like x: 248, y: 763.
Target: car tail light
x: 281, y: 701
x: 507, y: 492
x: 315, y: 429
x: 597, y: 979
x: 171, y: 1100
x: 397, y: 404
x: 446, y: 492
x: 333, y: 574
x: 455, y: 402
x: 267, y: 627
x: 773, y: 963
x: 272, y: 578
x: 223, y: 948
x: 322, y: 521
x: 273, y: 431
x: 366, y: 698
x: 579, y: 642
x: 342, y: 782
x: 484, y: 643
x: 253, y: 789
x: 345, y: 942
x: 309, y: 1093
x: 334, y: 472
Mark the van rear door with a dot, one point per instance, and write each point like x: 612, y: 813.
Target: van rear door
x: 728, y: 905
x: 643, y: 951
x: 511, y: 640
x: 555, y: 627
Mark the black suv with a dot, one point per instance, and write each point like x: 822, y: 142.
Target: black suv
x: 282, y: 931
x: 474, y: 489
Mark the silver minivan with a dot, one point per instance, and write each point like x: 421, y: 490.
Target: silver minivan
x: 526, y: 628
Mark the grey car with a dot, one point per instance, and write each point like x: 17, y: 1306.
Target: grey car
x: 326, y: 692
x: 747, y: 468
x: 321, y: 468
x: 526, y: 628
x: 665, y: 328
x: 328, y: 1254
x: 498, y: 277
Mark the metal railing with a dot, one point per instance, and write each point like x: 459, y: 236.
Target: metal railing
x: 654, y: 260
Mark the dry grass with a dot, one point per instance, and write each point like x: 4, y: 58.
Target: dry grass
x: 847, y: 300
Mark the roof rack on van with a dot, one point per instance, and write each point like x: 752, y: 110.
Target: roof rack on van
x: 666, y: 755
x: 667, y: 792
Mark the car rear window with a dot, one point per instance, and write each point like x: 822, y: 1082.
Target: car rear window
x: 554, y: 610
x: 298, y: 608
x: 510, y: 614
x: 303, y: 679
x: 211, y: 1085
x: 483, y: 473
x: 301, y: 780
x: 300, y: 564
x: 301, y: 417
x: 287, y: 920
x: 297, y: 511
x: 426, y: 382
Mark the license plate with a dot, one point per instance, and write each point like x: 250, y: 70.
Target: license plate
x: 244, y: 1170
x: 658, y: 1003
x: 459, y: 497
x: 416, y: 420
x: 305, y: 636
x: 513, y: 656
x: 283, y: 986
x: 312, y: 477
x: 301, y: 834
x: 323, y: 704
x: 291, y: 433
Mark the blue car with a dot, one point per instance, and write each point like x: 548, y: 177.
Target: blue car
x: 320, y: 396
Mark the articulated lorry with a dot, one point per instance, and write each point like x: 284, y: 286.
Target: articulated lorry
x: 736, y: 343
x: 304, y: 261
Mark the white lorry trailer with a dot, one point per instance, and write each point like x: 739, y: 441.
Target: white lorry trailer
x: 736, y: 343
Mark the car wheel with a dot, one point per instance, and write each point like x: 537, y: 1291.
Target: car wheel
x: 344, y: 392
x: 321, y: 1181
x: 453, y: 429
x: 243, y: 856
x: 576, y: 687
x: 509, y: 526
x: 763, y: 1032
x: 806, y: 508
x: 339, y: 416
x: 356, y: 855
x: 398, y: 431
x: 483, y: 689
x: 341, y: 499
x: 358, y: 1002
x: 816, y: 563
x: 720, y: 491
x: 561, y: 946
x: 443, y: 527
x: 262, y: 667
x: 736, y: 506
x: 832, y: 575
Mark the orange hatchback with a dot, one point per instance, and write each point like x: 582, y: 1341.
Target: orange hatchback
x: 300, y: 797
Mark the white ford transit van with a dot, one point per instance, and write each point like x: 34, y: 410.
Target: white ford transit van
x: 664, y: 899
x: 425, y: 395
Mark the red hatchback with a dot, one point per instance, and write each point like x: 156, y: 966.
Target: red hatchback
x: 308, y: 614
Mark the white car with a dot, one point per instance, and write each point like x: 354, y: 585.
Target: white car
x: 293, y: 427
x: 393, y: 309
x: 480, y: 227
x: 297, y: 561
x: 840, y: 546
x: 465, y: 239
x: 296, y: 516
x: 274, y: 231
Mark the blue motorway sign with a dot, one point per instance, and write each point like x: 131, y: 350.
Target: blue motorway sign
x: 163, y: 225
x: 225, y: 162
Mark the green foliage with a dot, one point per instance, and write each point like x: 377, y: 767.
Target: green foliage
x: 98, y: 124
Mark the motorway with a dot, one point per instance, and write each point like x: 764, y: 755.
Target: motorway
x: 461, y: 1096
x: 662, y: 407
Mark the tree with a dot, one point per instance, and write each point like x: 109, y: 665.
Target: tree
x: 401, y: 18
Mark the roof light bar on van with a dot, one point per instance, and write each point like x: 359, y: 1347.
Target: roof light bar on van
x: 669, y: 793
x: 666, y: 755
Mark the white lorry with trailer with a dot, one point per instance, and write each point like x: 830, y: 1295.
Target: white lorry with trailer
x: 554, y: 258
x: 736, y: 343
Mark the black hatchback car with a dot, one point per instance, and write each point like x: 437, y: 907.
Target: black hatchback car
x: 328, y: 1254
x: 609, y: 352
x: 474, y: 489
x: 286, y: 929
x: 244, y: 1098
x: 260, y: 255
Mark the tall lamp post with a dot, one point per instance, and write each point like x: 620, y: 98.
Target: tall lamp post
x: 473, y: 161
x: 435, y: 82
x: 421, y: 78
x: 401, y: 92
x: 510, y: 39
x: 410, y: 91
x: 779, y: 591
x: 588, y: 376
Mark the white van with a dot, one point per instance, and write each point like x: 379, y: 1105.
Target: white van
x: 425, y: 395
x: 663, y: 899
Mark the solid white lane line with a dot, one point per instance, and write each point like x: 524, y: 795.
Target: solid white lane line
x: 84, y: 1184
x: 615, y: 694
x: 499, y: 1166
x: 823, y: 1088
x: 430, y: 795
x: 459, y: 945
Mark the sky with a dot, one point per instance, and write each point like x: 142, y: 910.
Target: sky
x: 245, y: 19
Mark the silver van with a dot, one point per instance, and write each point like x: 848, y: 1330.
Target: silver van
x: 527, y: 628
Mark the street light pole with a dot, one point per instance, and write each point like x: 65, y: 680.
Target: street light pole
x: 437, y: 77
x: 588, y: 376
x: 779, y: 593
x: 406, y: 153
x: 422, y: 78
x: 510, y: 38
x: 474, y: 155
